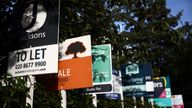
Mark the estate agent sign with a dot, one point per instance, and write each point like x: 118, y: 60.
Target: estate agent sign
x: 133, y: 80
x: 38, y: 32
x: 102, y: 69
x: 75, y: 65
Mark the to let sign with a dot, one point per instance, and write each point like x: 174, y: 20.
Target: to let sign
x: 33, y: 61
x: 37, y: 27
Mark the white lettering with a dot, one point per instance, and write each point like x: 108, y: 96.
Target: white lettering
x: 158, y: 84
x: 37, y: 35
x: 63, y: 72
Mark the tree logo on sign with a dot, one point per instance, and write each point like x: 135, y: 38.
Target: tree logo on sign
x: 74, y: 48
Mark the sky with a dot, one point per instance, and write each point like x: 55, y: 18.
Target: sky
x: 178, y: 5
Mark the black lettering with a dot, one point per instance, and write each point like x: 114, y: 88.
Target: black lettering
x: 23, y: 56
x: 31, y: 58
x: 37, y: 54
x: 18, y: 56
x: 43, y: 52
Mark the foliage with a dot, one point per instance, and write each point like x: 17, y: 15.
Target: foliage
x: 128, y: 102
x: 106, y: 103
x: 151, y: 35
x: 13, y: 92
x: 44, y: 98
x: 75, y: 99
x: 85, y: 17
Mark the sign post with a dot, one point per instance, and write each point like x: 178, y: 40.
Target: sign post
x: 30, y: 85
x: 94, y: 99
x: 135, y: 100
x: 37, y: 26
x: 64, y: 99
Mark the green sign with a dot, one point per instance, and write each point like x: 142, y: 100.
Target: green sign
x: 101, y: 70
x: 161, y: 102
x: 102, y: 66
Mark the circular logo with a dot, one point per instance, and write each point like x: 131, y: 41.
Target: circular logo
x: 33, y: 17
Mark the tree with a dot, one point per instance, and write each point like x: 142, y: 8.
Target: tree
x: 5, y: 40
x: 44, y: 98
x: 74, y: 48
x: 149, y: 32
x: 13, y: 92
x: 149, y: 36
x: 180, y: 63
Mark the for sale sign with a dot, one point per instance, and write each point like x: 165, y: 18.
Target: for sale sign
x: 75, y: 65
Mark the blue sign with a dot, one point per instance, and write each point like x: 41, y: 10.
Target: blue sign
x: 133, y: 80
x: 113, y: 96
x: 147, y: 69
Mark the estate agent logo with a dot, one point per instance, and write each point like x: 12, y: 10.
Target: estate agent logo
x: 34, y: 17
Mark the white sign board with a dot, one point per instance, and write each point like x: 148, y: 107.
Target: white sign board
x: 149, y: 86
x: 177, y: 101
x: 33, y: 61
